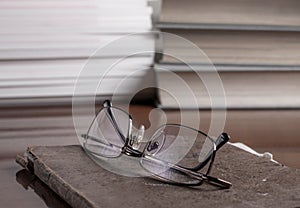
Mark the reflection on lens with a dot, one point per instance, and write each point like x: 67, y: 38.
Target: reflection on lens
x: 98, y: 148
x: 106, y: 134
x: 180, y: 145
x: 166, y: 171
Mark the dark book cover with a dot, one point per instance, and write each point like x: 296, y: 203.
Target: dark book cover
x: 257, y: 182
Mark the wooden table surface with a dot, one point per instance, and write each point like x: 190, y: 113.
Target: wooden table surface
x: 275, y: 131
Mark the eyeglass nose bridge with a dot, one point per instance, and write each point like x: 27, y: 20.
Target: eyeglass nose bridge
x: 135, y: 138
x: 127, y: 150
x: 133, y: 143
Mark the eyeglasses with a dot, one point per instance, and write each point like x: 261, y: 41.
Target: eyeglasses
x: 175, y: 154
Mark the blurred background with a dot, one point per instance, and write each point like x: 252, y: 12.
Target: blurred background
x: 253, y: 44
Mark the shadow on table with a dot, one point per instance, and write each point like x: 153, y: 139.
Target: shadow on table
x: 26, y: 179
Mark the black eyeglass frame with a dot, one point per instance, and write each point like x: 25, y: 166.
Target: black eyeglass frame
x: 191, y: 172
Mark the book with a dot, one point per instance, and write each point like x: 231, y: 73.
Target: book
x: 230, y: 14
x: 30, y: 181
x: 239, y: 90
x: 236, y: 47
x: 250, y: 47
x: 49, y: 48
x: 71, y: 174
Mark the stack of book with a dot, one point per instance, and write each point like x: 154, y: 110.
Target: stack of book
x: 44, y: 45
x: 253, y: 45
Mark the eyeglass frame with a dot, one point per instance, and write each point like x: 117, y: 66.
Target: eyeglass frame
x: 128, y: 150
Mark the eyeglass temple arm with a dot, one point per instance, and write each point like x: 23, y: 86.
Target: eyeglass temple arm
x: 213, y: 180
x: 201, y: 177
x: 222, y: 139
x: 205, y: 178
x: 107, y: 104
x: 217, y: 182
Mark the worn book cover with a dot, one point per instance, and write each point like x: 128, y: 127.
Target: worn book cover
x: 257, y: 182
